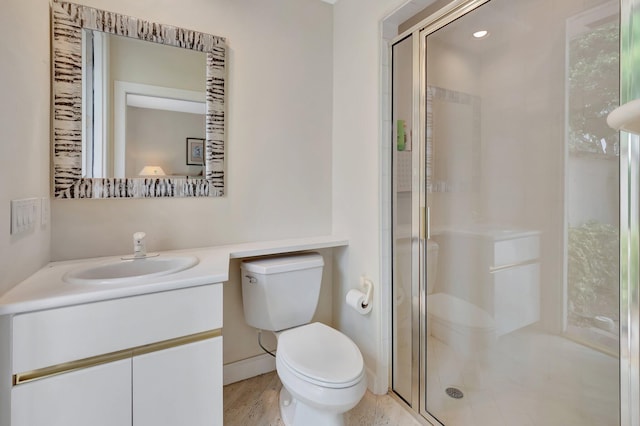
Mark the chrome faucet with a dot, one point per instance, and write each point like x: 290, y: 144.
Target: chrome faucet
x: 139, y: 246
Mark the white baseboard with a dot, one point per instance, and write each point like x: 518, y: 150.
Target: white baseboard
x: 375, y: 386
x: 247, y: 368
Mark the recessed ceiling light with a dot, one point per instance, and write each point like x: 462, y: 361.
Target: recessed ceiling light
x: 481, y: 34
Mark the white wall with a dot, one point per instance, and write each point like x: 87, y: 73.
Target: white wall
x: 591, y: 184
x: 278, y: 152
x: 285, y: 178
x: 278, y: 155
x: 24, y: 134
x: 138, y: 61
x: 159, y: 138
x: 357, y: 176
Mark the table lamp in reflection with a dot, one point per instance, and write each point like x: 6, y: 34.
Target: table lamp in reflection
x: 152, y: 171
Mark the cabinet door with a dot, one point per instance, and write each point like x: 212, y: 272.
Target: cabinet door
x: 179, y: 386
x: 516, y: 298
x: 96, y: 396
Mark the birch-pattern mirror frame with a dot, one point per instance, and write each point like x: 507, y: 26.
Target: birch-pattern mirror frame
x: 68, y: 22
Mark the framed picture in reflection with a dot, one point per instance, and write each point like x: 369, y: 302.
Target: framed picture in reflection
x: 195, y: 151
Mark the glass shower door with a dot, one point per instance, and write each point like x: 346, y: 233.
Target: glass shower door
x: 521, y: 171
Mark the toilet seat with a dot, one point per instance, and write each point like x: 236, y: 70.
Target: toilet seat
x: 321, y: 355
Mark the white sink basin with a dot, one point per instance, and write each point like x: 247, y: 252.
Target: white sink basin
x: 130, y: 270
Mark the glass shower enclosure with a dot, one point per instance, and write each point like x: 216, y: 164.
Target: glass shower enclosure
x: 508, y: 263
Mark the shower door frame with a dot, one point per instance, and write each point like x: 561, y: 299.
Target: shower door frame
x: 629, y: 206
x: 629, y: 222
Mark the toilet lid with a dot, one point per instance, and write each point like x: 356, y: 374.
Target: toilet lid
x: 321, y: 355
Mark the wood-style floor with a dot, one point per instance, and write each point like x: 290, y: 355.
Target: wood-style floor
x: 254, y: 402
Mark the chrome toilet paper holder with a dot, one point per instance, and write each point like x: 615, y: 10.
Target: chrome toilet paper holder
x: 368, y: 286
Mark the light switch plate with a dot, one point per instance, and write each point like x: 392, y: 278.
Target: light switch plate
x: 23, y: 214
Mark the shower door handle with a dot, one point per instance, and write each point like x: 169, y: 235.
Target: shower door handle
x: 425, y: 223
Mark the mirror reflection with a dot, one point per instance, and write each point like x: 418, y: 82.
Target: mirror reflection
x: 142, y: 101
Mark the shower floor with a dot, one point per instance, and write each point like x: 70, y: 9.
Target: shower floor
x: 528, y: 378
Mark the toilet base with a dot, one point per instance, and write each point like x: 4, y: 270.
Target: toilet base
x: 296, y: 413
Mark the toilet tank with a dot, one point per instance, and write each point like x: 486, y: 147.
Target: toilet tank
x: 281, y: 292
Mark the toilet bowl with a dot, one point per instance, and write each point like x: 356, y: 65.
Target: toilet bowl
x: 322, y: 374
x: 463, y: 326
x: 321, y: 370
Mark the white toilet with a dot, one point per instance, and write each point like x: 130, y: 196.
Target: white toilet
x: 321, y: 369
x: 463, y: 326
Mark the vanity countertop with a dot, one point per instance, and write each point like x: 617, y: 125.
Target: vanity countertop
x: 46, y: 289
x: 487, y: 231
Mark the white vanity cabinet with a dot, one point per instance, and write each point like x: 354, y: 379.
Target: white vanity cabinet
x: 495, y: 269
x: 514, y: 277
x: 96, y: 396
x: 179, y: 386
x: 153, y: 359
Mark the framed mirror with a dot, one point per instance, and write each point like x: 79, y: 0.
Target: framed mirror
x: 85, y: 108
